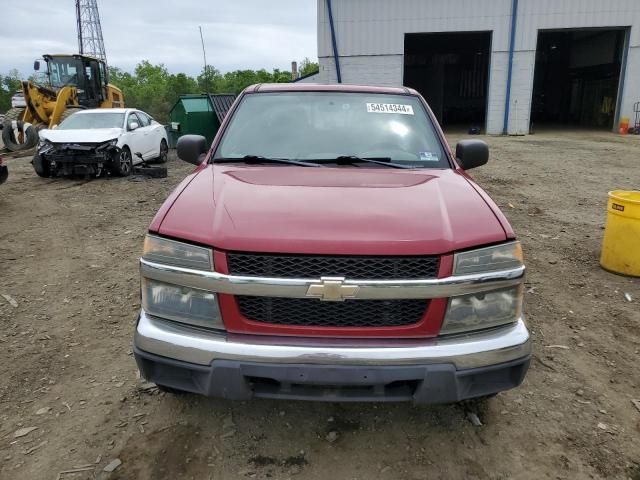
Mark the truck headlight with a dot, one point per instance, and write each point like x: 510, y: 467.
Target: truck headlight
x: 181, y: 304
x: 477, y: 311
x: 489, y: 259
x: 169, y: 252
x: 175, y: 302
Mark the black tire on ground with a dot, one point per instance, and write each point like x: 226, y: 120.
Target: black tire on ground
x: 151, y: 172
x: 20, y: 138
x: 122, y: 163
x: 164, y: 152
x: 41, y: 166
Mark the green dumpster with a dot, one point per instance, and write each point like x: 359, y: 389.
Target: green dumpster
x: 199, y: 114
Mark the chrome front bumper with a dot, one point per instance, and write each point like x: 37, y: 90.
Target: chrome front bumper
x: 198, y: 346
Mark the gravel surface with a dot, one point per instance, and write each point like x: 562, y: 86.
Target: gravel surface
x: 71, y: 400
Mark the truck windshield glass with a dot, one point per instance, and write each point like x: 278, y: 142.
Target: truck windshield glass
x: 322, y: 126
x: 92, y: 120
x: 63, y: 71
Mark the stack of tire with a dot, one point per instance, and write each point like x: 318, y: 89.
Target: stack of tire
x: 16, y: 134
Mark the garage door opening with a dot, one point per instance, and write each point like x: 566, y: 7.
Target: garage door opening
x: 576, y: 79
x: 451, y: 70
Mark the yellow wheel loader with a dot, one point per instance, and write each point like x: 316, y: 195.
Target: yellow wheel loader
x: 74, y: 82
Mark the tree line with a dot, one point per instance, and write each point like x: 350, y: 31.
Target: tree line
x: 154, y: 89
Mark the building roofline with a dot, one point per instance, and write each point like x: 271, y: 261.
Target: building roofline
x: 317, y: 72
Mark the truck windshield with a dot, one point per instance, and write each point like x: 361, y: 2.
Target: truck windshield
x: 63, y: 71
x: 92, y: 120
x: 325, y: 126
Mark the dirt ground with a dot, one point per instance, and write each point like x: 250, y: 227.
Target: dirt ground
x: 68, y: 257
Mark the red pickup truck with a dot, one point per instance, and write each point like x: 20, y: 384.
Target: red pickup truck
x: 330, y: 246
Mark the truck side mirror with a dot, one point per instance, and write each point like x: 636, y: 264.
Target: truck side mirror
x: 472, y: 153
x: 36, y: 65
x: 191, y: 148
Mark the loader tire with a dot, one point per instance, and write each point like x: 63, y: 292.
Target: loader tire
x: 68, y: 112
x: 20, y: 137
x: 13, y: 114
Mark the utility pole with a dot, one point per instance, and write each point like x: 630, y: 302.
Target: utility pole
x: 206, y: 71
x: 90, y: 40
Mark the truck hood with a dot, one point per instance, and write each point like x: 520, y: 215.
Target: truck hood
x: 367, y: 211
x: 94, y: 135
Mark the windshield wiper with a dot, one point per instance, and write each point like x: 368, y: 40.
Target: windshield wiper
x: 261, y: 159
x: 386, y: 161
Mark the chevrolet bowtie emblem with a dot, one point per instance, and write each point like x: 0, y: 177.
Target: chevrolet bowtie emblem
x: 332, y: 289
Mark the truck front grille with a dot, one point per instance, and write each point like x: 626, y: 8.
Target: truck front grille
x: 348, y: 266
x: 310, y: 312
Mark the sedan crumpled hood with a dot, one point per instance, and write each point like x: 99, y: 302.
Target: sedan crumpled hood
x: 367, y: 211
x: 94, y: 135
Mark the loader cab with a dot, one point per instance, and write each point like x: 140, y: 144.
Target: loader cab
x: 89, y: 75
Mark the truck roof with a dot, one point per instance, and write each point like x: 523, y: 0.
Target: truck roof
x: 47, y: 56
x: 317, y: 87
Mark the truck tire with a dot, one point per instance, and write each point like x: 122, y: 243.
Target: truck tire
x: 18, y: 138
x: 41, y: 166
x: 13, y: 114
x: 68, y: 112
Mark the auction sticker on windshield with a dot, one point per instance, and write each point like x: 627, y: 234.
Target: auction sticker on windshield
x: 390, y: 108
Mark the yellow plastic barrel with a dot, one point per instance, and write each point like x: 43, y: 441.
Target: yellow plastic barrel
x: 621, y: 244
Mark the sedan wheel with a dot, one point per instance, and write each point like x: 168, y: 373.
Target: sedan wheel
x: 41, y: 166
x: 123, y: 164
x: 164, y: 152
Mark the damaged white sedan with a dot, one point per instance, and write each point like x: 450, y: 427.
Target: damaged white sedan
x: 92, y: 142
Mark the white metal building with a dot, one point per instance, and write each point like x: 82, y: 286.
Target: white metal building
x: 505, y: 65
x: 309, y: 78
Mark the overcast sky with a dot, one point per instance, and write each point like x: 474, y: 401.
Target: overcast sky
x: 238, y: 33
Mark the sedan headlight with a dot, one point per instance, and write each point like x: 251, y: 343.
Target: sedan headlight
x: 176, y: 302
x: 110, y: 143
